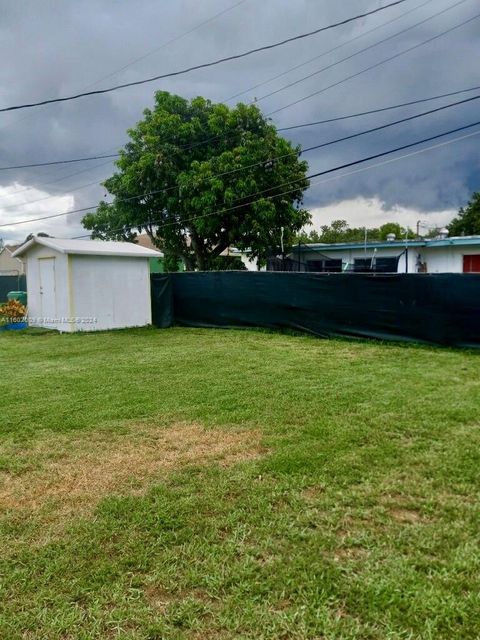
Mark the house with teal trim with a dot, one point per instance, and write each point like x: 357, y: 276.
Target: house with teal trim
x: 460, y: 254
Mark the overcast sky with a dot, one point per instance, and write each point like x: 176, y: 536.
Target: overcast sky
x: 58, y: 47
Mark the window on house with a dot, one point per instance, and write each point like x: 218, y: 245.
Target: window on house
x: 325, y: 266
x: 376, y: 265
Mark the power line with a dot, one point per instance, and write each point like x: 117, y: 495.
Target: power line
x: 204, y: 65
x: 381, y: 109
x: 149, y: 53
x: 47, y: 164
x: 295, y: 126
x: 379, y: 155
x: 293, y: 153
x: 360, y: 51
x: 168, y: 42
x: 280, y: 129
x: 317, y: 182
x: 308, y: 177
x: 30, y: 165
x: 391, y: 124
x: 41, y: 164
x: 60, y: 179
x: 325, y: 53
x: 374, y: 66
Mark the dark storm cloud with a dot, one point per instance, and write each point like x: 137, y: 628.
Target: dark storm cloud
x: 57, y: 48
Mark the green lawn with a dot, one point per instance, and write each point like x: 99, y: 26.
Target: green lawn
x: 188, y: 483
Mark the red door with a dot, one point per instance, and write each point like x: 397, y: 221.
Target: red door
x: 471, y: 264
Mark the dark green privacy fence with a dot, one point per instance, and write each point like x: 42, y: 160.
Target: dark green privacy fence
x: 435, y: 308
x: 11, y: 283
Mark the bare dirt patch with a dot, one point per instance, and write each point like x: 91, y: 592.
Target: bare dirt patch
x: 73, y: 473
x: 350, y: 553
x: 160, y: 599
x: 312, y: 494
x: 408, y: 516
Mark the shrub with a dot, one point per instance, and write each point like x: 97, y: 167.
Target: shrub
x: 12, y: 311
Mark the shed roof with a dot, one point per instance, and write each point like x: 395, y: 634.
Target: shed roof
x: 89, y: 247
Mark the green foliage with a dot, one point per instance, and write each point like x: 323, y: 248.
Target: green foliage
x: 467, y: 223
x: 171, y: 263
x: 227, y: 263
x: 191, y: 183
x: 339, y: 231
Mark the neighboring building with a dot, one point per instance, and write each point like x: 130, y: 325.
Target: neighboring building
x: 440, y: 255
x: 10, y: 266
x: 87, y: 285
x: 250, y: 263
x: 156, y: 264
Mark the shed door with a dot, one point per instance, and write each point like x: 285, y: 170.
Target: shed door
x: 48, y: 294
x: 471, y: 264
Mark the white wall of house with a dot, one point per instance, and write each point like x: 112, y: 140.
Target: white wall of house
x: 10, y: 266
x: 349, y: 255
x: 447, y: 259
x: 438, y: 259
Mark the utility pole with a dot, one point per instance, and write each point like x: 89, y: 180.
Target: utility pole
x: 406, y: 249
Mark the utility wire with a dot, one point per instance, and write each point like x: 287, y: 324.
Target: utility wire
x: 47, y: 164
x: 293, y: 153
x: 201, y: 142
x: 308, y: 177
x: 306, y: 124
x: 59, y: 179
x: 167, y: 42
x: 317, y: 182
x: 380, y: 110
x: 280, y: 129
x: 146, y: 55
x: 24, y: 166
x: 360, y: 51
x: 374, y: 66
x: 325, y: 53
x: 295, y: 126
x: 205, y: 64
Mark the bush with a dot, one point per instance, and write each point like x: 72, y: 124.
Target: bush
x: 12, y: 311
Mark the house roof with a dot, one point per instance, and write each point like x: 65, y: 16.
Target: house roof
x: 143, y: 240
x: 89, y: 247
x: 392, y: 244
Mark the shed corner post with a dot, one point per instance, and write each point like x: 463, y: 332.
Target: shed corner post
x: 71, y: 300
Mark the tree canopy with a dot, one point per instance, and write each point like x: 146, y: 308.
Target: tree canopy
x: 467, y: 222
x: 200, y: 177
x: 339, y: 231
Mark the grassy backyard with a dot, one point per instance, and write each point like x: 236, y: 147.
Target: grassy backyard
x: 187, y: 483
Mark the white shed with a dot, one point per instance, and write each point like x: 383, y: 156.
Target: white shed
x: 87, y: 285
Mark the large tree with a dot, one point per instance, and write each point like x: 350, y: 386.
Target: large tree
x: 467, y: 223
x: 199, y: 177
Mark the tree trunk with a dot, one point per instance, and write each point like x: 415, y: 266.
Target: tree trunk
x: 198, y: 250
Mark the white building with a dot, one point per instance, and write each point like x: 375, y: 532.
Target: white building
x: 87, y: 285
x: 8, y: 264
x: 440, y: 255
x: 251, y: 264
